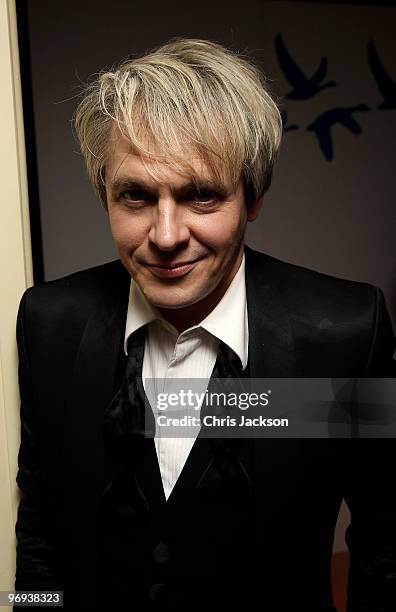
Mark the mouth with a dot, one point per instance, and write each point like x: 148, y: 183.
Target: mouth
x: 172, y: 271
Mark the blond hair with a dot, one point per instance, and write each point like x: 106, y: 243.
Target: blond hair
x: 187, y: 93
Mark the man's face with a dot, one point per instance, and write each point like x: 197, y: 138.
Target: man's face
x: 181, y: 244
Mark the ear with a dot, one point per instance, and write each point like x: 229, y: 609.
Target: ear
x: 254, y: 209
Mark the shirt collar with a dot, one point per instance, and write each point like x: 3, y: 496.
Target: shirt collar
x: 228, y: 321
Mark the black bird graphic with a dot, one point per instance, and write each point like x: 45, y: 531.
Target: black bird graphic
x: 323, y: 124
x: 386, y: 84
x: 303, y: 88
x: 290, y: 127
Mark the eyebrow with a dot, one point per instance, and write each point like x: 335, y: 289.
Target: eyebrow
x: 123, y: 183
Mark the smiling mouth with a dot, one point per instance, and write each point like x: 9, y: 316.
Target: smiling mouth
x: 174, y: 271
x: 180, y: 264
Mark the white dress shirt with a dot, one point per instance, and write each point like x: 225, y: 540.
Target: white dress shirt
x: 191, y: 354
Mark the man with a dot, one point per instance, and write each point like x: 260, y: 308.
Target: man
x: 179, y: 146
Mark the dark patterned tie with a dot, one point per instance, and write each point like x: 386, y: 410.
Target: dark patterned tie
x: 227, y: 377
x: 128, y: 419
x: 128, y: 422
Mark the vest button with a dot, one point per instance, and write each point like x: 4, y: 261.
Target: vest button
x: 161, y: 553
x: 156, y: 591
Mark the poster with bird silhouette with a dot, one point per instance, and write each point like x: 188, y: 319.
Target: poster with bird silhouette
x: 332, y: 204
x: 304, y: 87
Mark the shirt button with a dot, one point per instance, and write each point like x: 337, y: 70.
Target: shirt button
x: 161, y: 553
x: 156, y: 591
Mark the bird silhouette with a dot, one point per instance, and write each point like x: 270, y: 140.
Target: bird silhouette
x: 290, y: 127
x: 303, y: 87
x: 323, y: 124
x: 386, y: 84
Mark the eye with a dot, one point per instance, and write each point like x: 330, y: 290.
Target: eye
x: 204, y: 197
x: 135, y: 197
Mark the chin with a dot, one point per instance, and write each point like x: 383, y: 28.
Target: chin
x: 160, y: 301
x: 169, y: 304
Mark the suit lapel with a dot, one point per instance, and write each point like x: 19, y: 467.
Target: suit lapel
x: 271, y: 346
x: 276, y: 462
x: 91, y: 389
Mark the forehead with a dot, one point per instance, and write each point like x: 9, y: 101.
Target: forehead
x: 124, y: 160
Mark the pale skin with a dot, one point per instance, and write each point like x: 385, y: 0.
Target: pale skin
x: 182, y: 246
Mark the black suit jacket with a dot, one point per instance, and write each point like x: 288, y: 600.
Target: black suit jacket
x: 301, y: 324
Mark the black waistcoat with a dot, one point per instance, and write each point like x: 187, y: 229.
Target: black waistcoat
x: 196, y: 548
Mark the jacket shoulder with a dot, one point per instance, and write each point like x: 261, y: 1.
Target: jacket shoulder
x: 314, y: 295
x: 83, y: 288
x: 338, y: 325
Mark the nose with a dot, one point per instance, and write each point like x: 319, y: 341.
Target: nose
x: 168, y: 229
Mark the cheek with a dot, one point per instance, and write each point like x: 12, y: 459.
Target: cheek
x: 127, y: 232
x: 221, y: 232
